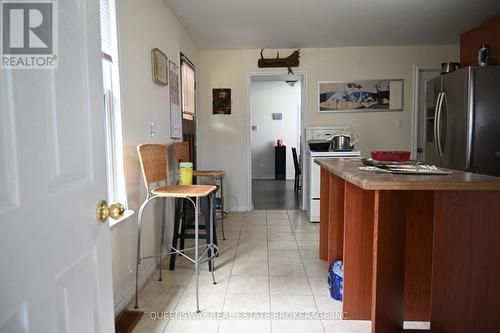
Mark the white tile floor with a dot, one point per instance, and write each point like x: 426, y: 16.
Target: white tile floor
x: 268, y: 263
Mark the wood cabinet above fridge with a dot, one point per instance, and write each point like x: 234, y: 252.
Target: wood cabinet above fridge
x: 487, y: 33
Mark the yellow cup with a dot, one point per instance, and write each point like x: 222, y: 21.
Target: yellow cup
x: 185, y: 173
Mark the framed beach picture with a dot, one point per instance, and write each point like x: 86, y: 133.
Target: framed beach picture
x: 360, y: 96
x: 159, y: 66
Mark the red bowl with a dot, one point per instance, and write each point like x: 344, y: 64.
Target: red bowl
x: 392, y: 156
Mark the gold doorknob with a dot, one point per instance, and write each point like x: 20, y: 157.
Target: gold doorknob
x: 103, y: 211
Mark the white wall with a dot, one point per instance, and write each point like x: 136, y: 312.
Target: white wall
x: 230, y: 69
x: 142, y: 25
x: 268, y: 97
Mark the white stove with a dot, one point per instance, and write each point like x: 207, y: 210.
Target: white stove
x: 333, y: 153
x: 313, y: 170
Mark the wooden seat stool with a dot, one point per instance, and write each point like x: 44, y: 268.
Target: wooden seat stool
x: 181, y: 151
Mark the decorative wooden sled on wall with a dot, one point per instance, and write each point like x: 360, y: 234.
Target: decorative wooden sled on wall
x: 291, y: 61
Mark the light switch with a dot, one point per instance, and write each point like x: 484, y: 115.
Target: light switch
x: 151, y: 129
x: 399, y: 123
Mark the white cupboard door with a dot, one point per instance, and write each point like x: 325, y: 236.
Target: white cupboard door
x: 55, y: 257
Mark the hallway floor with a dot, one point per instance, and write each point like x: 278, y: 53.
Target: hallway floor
x: 268, y: 263
x: 274, y: 194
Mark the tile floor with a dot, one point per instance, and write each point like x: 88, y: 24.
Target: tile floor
x: 268, y: 263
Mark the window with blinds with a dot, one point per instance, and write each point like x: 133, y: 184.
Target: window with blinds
x: 106, y: 28
x: 188, y: 89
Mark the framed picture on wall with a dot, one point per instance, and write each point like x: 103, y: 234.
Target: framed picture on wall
x: 175, y: 104
x: 360, y: 96
x: 159, y: 66
x: 221, y: 101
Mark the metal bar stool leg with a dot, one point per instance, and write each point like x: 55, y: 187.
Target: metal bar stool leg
x: 205, y: 207
x: 138, y: 261
x: 222, y: 206
x: 196, y: 254
x: 210, y: 252
x: 162, y: 240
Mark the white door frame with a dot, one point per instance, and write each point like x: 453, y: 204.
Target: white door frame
x: 303, y: 125
x: 417, y: 70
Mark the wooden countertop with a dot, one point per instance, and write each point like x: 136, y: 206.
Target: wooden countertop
x: 347, y: 169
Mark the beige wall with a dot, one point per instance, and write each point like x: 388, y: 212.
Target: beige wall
x: 222, y: 140
x: 142, y: 25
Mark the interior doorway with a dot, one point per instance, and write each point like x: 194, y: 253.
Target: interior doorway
x: 276, y: 119
x: 423, y: 73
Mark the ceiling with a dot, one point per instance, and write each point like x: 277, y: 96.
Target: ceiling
x: 249, y: 24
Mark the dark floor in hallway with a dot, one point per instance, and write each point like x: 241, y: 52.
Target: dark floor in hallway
x: 274, y: 194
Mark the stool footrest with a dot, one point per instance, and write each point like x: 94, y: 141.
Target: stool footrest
x: 201, y: 258
x: 181, y: 252
x: 190, y: 236
x: 191, y: 227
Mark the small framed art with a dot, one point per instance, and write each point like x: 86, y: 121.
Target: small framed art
x: 159, y: 66
x: 221, y: 101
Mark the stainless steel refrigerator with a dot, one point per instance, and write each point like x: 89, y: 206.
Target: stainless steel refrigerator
x: 463, y: 120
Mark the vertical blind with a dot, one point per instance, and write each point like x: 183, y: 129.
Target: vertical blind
x: 188, y: 87
x: 106, y: 32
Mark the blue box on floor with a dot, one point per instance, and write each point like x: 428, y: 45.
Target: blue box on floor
x: 336, y: 279
x: 218, y: 203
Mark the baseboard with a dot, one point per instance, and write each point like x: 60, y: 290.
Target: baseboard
x: 144, y: 276
x: 241, y: 209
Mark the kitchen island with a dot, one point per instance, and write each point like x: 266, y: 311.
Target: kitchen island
x: 415, y: 247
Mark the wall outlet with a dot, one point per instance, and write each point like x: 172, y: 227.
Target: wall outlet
x: 255, y: 128
x: 277, y: 116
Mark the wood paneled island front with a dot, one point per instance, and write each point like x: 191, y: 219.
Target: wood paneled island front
x: 415, y: 247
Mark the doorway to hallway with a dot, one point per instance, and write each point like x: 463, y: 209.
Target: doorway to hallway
x: 276, y: 119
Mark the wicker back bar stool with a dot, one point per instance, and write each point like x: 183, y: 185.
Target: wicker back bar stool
x: 153, y: 159
x: 181, y: 151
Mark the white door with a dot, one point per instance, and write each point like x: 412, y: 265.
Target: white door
x: 55, y: 258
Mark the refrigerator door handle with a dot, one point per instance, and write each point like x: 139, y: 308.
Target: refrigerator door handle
x: 442, y: 115
x: 470, y: 119
x: 436, y: 124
